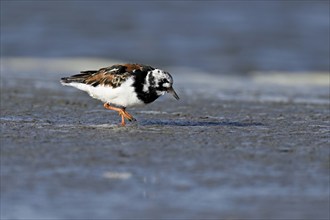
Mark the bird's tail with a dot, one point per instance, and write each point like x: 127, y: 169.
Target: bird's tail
x: 78, y: 78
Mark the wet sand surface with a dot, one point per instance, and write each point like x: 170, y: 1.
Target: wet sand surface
x: 230, y: 148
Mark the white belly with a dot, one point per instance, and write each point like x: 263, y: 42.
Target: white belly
x: 123, y: 96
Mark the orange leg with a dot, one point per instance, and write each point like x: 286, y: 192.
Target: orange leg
x: 124, y: 114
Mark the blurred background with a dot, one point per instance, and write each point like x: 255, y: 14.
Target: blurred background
x: 219, y: 37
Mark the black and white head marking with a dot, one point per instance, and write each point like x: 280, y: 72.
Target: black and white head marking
x: 152, y: 83
x: 158, y: 80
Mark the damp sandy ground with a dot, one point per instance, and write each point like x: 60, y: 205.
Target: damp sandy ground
x: 232, y: 147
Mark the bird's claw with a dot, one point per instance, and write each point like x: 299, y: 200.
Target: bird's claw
x: 132, y: 119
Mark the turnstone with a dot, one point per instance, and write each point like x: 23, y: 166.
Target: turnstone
x: 123, y: 85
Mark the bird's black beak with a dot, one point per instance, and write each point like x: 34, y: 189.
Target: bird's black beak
x: 171, y: 91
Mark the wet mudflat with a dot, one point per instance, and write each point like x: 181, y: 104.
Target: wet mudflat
x: 240, y: 154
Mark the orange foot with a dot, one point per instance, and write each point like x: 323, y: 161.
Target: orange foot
x: 124, y: 114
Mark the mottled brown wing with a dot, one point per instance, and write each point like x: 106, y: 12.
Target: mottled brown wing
x: 107, y: 78
x: 112, y: 76
x: 115, y: 75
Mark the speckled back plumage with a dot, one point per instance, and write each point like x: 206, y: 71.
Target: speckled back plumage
x: 112, y: 76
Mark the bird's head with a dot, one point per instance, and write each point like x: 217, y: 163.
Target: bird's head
x: 162, y: 82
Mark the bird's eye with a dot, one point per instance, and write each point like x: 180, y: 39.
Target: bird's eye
x: 165, y: 81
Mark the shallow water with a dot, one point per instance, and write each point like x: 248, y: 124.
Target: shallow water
x: 232, y: 147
